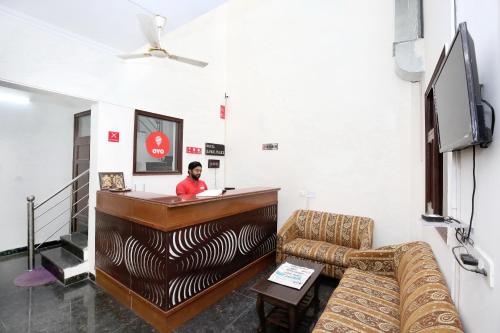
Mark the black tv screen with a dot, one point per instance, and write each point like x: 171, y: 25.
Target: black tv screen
x: 461, y: 119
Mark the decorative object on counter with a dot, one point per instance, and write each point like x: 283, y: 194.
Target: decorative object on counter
x: 111, y: 181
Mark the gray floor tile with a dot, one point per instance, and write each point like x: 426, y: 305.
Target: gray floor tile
x: 218, y: 316
x: 85, y: 307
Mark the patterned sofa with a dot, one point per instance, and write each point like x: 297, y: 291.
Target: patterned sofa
x: 391, y: 289
x: 325, y: 238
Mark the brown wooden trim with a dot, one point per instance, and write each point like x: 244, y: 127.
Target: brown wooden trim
x: 115, y: 288
x: 83, y: 113
x: 433, y: 158
x: 156, y: 115
x: 166, y: 321
x: 163, y: 217
x: 75, y: 196
x: 179, y: 145
x: 439, y: 64
x: 75, y: 120
x: 173, y: 201
x: 196, y: 214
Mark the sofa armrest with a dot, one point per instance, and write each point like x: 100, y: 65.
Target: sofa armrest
x: 379, y: 261
x: 287, y: 233
x: 366, y: 235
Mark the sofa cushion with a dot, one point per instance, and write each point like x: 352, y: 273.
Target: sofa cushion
x: 346, y: 230
x: 362, y: 302
x: 318, y: 251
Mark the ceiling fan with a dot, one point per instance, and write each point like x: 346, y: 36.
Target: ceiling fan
x: 155, y: 49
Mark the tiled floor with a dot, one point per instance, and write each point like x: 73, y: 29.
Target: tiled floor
x: 84, y: 307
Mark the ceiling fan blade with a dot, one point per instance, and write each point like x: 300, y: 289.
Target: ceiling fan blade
x: 188, y: 61
x: 135, y: 56
x: 149, y: 29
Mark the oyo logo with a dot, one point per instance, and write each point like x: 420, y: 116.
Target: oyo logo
x: 157, y: 144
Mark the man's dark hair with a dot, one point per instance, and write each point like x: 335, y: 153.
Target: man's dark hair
x: 193, y: 165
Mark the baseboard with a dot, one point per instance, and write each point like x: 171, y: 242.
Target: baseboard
x: 25, y: 248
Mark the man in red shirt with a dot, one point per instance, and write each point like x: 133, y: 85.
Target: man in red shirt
x: 192, y: 184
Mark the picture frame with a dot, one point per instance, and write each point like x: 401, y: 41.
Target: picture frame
x: 111, y: 180
x: 151, y: 159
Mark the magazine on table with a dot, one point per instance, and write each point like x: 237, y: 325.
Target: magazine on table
x: 291, y: 275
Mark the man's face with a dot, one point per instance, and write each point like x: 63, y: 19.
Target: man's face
x: 195, y: 173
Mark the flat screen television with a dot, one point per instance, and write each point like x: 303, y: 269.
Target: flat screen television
x: 461, y: 119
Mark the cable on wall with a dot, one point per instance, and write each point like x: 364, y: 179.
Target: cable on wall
x: 464, y: 239
x: 492, y: 115
x: 473, y: 190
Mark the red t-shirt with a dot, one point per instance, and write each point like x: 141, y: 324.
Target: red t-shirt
x: 190, y: 186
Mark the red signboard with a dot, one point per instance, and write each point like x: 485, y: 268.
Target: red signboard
x: 193, y: 150
x: 157, y: 144
x: 222, y: 112
x: 113, y: 136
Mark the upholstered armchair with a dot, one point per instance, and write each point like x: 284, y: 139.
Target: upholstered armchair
x: 324, y: 237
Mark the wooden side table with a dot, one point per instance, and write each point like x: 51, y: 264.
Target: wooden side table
x: 289, y: 304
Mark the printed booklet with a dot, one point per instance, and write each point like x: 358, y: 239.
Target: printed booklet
x: 291, y: 275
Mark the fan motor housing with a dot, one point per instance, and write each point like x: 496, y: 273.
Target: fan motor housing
x: 160, y: 53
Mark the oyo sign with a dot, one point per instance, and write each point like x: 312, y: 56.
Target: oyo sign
x: 157, y: 144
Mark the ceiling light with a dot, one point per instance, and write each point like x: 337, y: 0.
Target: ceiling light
x: 14, y: 98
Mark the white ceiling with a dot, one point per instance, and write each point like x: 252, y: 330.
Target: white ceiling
x: 115, y: 24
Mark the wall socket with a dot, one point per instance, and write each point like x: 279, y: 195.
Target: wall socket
x: 307, y: 194
x: 486, y: 263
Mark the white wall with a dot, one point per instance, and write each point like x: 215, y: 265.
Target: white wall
x: 50, y: 60
x: 36, y: 145
x: 438, y: 31
x: 318, y: 79
x: 477, y: 302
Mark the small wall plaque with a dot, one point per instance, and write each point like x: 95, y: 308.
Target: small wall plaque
x: 213, y: 164
x: 214, y: 149
x: 269, y: 146
x: 193, y: 150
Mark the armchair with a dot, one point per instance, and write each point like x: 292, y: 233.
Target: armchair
x: 324, y: 237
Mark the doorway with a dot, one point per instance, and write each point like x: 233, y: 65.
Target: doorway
x: 81, y: 163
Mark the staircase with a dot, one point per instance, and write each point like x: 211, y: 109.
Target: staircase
x: 69, y: 262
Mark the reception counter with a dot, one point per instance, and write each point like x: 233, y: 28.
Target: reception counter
x: 161, y: 254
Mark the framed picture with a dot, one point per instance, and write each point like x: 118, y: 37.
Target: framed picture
x: 111, y: 180
x: 157, y: 144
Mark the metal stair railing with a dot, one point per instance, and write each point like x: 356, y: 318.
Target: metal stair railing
x: 32, y: 208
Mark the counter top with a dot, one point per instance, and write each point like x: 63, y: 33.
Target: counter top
x: 190, y: 199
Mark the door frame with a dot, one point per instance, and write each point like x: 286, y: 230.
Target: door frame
x: 73, y: 166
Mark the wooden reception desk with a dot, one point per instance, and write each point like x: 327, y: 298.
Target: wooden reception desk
x: 161, y: 254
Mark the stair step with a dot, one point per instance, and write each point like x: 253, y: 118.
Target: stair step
x: 82, y: 227
x: 76, y: 243
x: 65, y: 266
